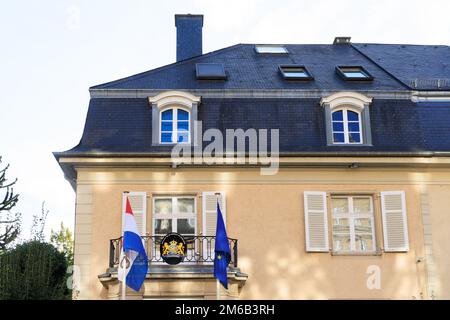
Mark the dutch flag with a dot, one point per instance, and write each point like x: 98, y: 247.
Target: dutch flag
x: 133, y: 259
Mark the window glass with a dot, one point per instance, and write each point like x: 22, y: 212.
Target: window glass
x: 338, y: 126
x: 339, y: 137
x: 211, y: 71
x: 270, y: 49
x: 346, y: 126
x: 163, y: 226
x: 183, y: 115
x: 354, y: 137
x: 186, y: 226
x: 167, y: 115
x: 174, y: 126
x: 295, y: 72
x: 174, y: 214
x: 353, y: 73
x: 339, y: 205
x: 338, y: 116
x: 352, y: 116
x: 186, y: 205
x: 163, y: 206
x: 183, y: 137
x: 353, y: 224
x: 361, y: 205
x: 183, y: 125
x: 166, y: 126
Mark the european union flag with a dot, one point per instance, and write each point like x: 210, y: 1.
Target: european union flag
x: 222, y: 252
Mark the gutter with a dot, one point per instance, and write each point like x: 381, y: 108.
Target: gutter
x: 94, y: 154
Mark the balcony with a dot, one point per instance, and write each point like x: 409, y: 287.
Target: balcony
x: 199, y: 250
x: 193, y: 277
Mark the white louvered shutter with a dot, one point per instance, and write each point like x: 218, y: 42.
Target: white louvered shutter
x: 395, y: 228
x: 316, y: 221
x: 209, y: 205
x: 138, y: 202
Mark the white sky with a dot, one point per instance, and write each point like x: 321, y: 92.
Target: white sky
x: 51, y: 52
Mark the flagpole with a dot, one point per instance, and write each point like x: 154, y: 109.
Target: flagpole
x: 124, y: 289
x: 217, y: 289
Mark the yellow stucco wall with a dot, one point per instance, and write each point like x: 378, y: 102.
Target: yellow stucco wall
x: 266, y: 214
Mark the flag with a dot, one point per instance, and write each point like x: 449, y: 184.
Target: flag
x: 134, y: 270
x: 222, y: 252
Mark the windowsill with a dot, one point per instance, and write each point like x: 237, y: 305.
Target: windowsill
x: 354, y: 253
x: 350, y: 145
x: 169, y: 144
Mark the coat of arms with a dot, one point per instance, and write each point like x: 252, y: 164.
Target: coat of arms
x: 172, y: 248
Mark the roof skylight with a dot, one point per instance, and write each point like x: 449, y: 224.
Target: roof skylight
x: 353, y: 73
x: 295, y: 72
x: 270, y: 49
x: 210, y: 71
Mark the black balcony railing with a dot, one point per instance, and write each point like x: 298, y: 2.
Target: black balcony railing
x: 200, y: 249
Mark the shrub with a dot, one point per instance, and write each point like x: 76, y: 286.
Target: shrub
x: 33, y: 270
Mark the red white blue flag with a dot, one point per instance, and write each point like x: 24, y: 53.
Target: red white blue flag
x: 133, y: 258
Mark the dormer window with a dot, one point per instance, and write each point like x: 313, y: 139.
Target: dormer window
x: 347, y: 119
x: 270, y: 49
x: 295, y: 72
x: 353, y: 73
x: 173, y: 116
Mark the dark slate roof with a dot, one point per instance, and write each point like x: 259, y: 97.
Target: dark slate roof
x: 248, y: 70
x: 124, y: 124
x: 418, y: 66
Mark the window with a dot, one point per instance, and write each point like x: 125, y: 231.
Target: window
x: 210, y: 71
x: 346, y: 126
x: 173, y: 116
x: 353, y: 224
x: 353, y: 73
x: 295, y: 72
x: 174, y: 214
x: 175, y: 126
x: 271, y: 49
x: 347, y: 119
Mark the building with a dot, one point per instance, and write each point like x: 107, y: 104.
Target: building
x: 357, y: 208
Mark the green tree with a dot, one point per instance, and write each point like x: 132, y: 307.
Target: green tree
x: 33, y: 270
x: 63, y: 241
x: 9, y: 223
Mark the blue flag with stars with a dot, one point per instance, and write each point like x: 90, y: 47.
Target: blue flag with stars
x: 222, y: 252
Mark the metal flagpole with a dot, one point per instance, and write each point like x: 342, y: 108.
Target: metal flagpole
x: 123, y: 266
x: 217, y: 280
x: 217, y: 289
x: 124, y: 289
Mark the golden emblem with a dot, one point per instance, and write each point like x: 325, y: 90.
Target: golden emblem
x: 173, y: 248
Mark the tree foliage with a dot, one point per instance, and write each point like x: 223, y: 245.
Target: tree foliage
x: 63, y: 241
x: 33, y: 270
x: 9, y: 223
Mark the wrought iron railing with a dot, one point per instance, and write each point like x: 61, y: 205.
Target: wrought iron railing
x: 200, y: 250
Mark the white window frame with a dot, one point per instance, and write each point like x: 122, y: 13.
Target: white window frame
x: 351, y: 216
x: 174, y: 216
x: 345, y: 123
x: 174, y: 125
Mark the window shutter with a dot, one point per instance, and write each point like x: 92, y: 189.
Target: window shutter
x: 395, y: 229
x: 138, y: 202
x: 209, y: 206
x: 316, y: 221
